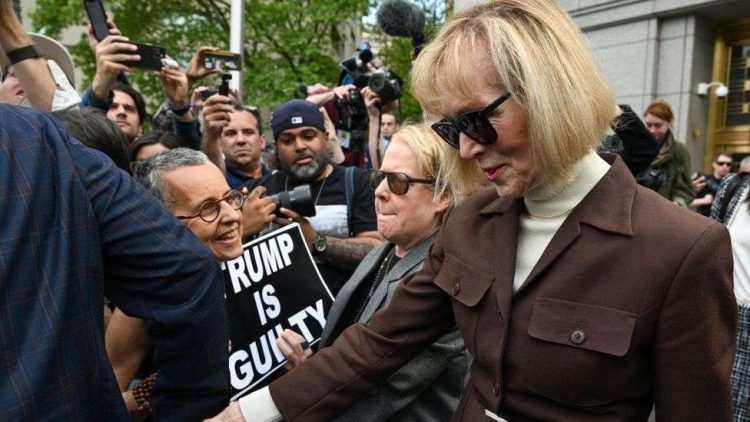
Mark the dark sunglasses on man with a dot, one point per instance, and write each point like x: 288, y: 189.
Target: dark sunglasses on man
x: 398, y: 183
x: 724, y: 163
x: 474, y: 124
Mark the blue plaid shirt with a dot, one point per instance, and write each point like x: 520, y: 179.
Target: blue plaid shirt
x: 74, y: 228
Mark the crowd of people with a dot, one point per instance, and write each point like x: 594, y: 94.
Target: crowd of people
x: 500, y: 260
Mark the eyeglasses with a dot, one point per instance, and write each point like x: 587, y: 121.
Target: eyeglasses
x: 210, y: 210
x: 398, y: 183
x: 724, y: 163
x: 474, y: 124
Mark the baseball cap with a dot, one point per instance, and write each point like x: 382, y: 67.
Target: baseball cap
x: 52, y: 50
x: 296, y: 113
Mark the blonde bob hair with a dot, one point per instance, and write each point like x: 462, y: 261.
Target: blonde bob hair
x: 533, y: 49
x: 431, y: 152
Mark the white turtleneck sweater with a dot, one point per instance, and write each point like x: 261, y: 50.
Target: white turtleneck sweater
x: 547, y: 206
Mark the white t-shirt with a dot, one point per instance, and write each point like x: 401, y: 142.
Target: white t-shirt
x: 739, y: 231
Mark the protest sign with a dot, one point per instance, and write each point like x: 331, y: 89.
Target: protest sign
x: 274, y: 285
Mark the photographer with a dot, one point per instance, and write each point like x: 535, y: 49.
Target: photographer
x: 336, y: 93
x: 383, y: 124
x: 343, y: 229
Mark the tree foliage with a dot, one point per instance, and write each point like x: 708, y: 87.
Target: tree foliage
x: 286, y: 42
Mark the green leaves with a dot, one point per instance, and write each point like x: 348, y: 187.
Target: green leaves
x: 287, y: 42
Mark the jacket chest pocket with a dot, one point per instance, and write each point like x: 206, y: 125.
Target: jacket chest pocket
x: 468, y: 289
x: 578, y: 353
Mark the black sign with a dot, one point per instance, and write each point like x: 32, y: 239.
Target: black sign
x: 274, y: 285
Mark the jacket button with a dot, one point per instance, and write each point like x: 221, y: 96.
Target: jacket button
x: 456, y: 289
x: 496, y: 389
x: 577, y: 337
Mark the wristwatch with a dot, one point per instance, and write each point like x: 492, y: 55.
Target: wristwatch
x: 24, y: 53
x: 181, y: 110
x: 320, y: 243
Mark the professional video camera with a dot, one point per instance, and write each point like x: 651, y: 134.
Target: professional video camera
x: 353, y: 117
x: 356, y: 71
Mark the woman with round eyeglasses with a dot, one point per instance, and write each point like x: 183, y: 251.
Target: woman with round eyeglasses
x: 409, y: 203
x: 580, y: 295
x: 196, y: 192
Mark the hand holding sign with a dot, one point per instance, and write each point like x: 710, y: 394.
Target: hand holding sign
x: 294, y: 347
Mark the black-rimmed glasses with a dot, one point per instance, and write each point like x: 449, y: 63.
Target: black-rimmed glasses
x: 210, y: 210
x: 398, y: 183
x: 474, y: 124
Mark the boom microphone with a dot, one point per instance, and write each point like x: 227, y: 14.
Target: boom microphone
x: 399, y: 18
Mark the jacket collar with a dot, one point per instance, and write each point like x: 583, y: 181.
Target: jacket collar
x: 608, y: 206
x: 415, y: 257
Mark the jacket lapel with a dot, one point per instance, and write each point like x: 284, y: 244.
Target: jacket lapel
x: 369, y: 264
x: 566, y: 234
x: 504, y: 245
x: 403, y: 267
x: 607, y: 207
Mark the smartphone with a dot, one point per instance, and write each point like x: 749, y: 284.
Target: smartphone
x: 97, y: 17
x: 221, y: 60
x: 151, y: 57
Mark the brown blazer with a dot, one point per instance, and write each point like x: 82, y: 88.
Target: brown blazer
x: 631, y: 304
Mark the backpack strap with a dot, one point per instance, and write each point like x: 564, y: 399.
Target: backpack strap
x: 349, y: 194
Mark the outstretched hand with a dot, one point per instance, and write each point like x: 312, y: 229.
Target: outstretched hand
x: 196, y: 70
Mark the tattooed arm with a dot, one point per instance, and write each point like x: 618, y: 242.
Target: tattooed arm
x: 346, y: 254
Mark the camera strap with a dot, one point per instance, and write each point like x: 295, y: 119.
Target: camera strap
x: 349, y: 195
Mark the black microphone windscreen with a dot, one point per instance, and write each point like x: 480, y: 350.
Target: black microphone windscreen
x: 399, y: 18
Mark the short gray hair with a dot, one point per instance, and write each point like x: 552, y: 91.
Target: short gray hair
x: 149, y: 172
x: 745, y: 163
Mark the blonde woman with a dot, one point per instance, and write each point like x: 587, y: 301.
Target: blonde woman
x: 580, y: 295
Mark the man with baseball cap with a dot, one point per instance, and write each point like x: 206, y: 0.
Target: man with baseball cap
x: 344, y: 228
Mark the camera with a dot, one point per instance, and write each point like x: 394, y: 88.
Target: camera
x: 299, y: 200
x: 224, y: 86
x: 355, y: 71
x: 221, y: 60
x: 208, y: 92
x: 387, y: 85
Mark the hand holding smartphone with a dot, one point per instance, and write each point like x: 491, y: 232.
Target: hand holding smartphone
x: 151, y: 55
x: 221, y: 60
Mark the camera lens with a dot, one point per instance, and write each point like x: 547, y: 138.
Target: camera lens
x: 298, y: 200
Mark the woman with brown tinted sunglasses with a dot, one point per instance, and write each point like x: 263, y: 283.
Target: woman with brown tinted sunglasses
x: 409, y: 203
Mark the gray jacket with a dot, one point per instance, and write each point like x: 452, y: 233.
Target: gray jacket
x: 428, y: 387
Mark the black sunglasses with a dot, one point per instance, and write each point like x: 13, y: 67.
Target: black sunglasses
x: 474, y: 124
x: 398, y: 183
x: 724, y: 163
